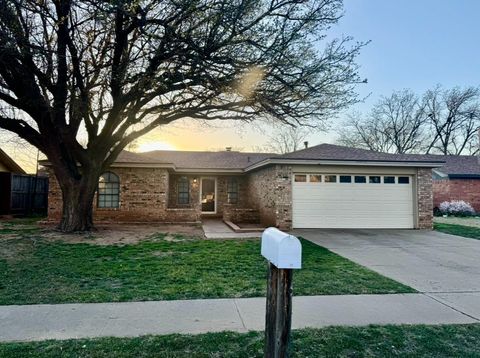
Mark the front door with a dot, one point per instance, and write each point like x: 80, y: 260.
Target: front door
x: 208, y: 195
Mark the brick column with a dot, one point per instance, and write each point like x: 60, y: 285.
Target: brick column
x: 425, y: 198
x: 283, y: 196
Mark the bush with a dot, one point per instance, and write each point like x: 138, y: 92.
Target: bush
x: 456, y: 208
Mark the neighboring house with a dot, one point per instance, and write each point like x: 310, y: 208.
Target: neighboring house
x: 20, y: 193
x: 8, y: 165
x: 326, y: 186
x: 458, y: 179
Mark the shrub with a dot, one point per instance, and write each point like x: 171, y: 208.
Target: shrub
x: 456, y: 208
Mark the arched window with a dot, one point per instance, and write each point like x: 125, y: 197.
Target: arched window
x: 108, y: 190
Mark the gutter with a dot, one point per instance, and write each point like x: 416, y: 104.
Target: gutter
x: 463, y: 176
x: 168, y: 166
x: 271, y: 161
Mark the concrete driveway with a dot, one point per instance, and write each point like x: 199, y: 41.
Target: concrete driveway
x: 442, y: 266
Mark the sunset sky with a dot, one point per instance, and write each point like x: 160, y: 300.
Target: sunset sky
x: 414, y: 44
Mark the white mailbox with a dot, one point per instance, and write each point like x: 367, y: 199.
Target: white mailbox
x: 281, y: 249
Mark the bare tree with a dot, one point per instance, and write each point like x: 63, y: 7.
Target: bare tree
x: 112, y: 71
x: 453, y: 119
x: 287, y: 139
x: 395, y: 124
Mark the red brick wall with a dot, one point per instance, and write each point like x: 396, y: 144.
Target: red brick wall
x: 143, y: 198
x: 424, y: 199
x: 270, y: 192
x: 457, y: 189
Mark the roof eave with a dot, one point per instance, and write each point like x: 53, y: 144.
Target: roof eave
x: 10, y: 163
x: 463, y: 176
x: 377, y: 163
x: 168, y: 166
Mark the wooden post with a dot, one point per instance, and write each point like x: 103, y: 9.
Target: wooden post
x: 278, y: 318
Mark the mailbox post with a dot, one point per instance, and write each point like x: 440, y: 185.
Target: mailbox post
x: 284, y: 253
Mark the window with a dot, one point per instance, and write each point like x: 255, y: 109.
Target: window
x: 403, y: 180
x: 315, y: 178
x: 389, y: 180
x: 183, y: 192
x: 330, y: 178
x: 360, y: 179
x: 300, y: 178
x: 345, y: 178
x: 232, y: 191
x: 373, y: 179
x: 108, y: 191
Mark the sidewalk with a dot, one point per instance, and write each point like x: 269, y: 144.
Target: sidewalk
x: 129, y: 319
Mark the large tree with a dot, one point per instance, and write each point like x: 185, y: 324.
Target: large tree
x: 453, y: 117
x: 81, y: 79
x: 394, y: 124
x: 442, y: 121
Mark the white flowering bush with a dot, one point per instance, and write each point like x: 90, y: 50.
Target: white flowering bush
x: 456, y: 208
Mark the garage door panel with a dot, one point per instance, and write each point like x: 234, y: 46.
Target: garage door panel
x: 355, y: 205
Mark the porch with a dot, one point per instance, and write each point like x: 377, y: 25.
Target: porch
x: 214, y: 198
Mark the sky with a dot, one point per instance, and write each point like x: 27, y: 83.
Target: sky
x: 414, y: 44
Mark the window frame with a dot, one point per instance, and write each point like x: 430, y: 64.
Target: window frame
x: 360, y: 176
x: 330, y: 176
x: 232, y: 183
x: 403, y: 177
x: 300, y: 175
x: 112, y: 184
x: 389, y: 176
x: 374, y: 182
x: 183, y: 196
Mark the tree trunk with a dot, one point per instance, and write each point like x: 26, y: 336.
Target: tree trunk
x: 77, y: 195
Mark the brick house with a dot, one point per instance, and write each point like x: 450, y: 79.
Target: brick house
x: 326, y: 186
x: 458, y: 179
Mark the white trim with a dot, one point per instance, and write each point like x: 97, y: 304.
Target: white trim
x: 209, y: 171
x: 269, y: 161
x: 201, y: 194
x: 141, y: 165
x: 343, y: 162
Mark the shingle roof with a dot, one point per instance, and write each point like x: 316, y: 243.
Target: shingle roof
x: 239, y: 160
x: 341, y: 153
x: 195, y: 160
x: 459, y: 165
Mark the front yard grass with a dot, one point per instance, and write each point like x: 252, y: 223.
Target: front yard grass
x: 372, y: 341
x: 459, y: 230
x: 166, y: 267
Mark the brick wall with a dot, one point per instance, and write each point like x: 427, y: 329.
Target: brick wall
x: 457, y: 189
x: 222, y: 194
x: 270, y: 192
x: 194, y: 192
x: 143, y: 198
x: 240, y: 215
x: 425, y: 198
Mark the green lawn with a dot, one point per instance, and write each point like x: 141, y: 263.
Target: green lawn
x: 460, y: 230
x: 166, y: 268
x: 373, y: 341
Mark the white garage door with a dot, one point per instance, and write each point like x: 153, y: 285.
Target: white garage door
x: 352, y: 201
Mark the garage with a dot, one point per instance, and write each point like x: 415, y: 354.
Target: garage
x: 353, y: 200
